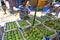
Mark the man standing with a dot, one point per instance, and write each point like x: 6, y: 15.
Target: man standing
x: 3, y: 6
x: 11, y: 3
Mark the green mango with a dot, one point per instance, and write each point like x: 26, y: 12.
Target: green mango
x: 22, y: 23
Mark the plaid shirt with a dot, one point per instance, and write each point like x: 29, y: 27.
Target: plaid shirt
x: 23, y: 10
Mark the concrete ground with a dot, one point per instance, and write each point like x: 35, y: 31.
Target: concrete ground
x: 8, y: 16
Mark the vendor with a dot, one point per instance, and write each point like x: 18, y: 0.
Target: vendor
x: 52, y: 8
x: 11, y: 6
x: 24, y: 11
x: 3, y: 6
x: 56, y: 9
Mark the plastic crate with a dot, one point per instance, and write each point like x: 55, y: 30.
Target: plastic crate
x: 11, y: 25
x: 13, y: 35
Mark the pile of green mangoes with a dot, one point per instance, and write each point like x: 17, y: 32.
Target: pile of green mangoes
x: 22, y: 23
x: 36, y: 33
x: 40, y: 19
x: 11, y: 25
x: 13, y: 35
x: 31, y: 21
x: 32, y: 33
x: 44, y: 30
x: 52, y: 25
x: 44, y: 18
x: 57, y: 21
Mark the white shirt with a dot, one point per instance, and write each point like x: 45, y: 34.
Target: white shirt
x: 57, y: 5
x: 7, y: 4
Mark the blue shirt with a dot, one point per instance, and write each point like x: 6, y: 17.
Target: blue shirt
x: 23, y: 10
x: 17, y: 3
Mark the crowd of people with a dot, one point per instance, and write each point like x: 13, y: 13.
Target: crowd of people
x: 22, y: 8
x: 51, y: 8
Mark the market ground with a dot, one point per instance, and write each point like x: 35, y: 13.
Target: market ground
x: 12, y: 17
